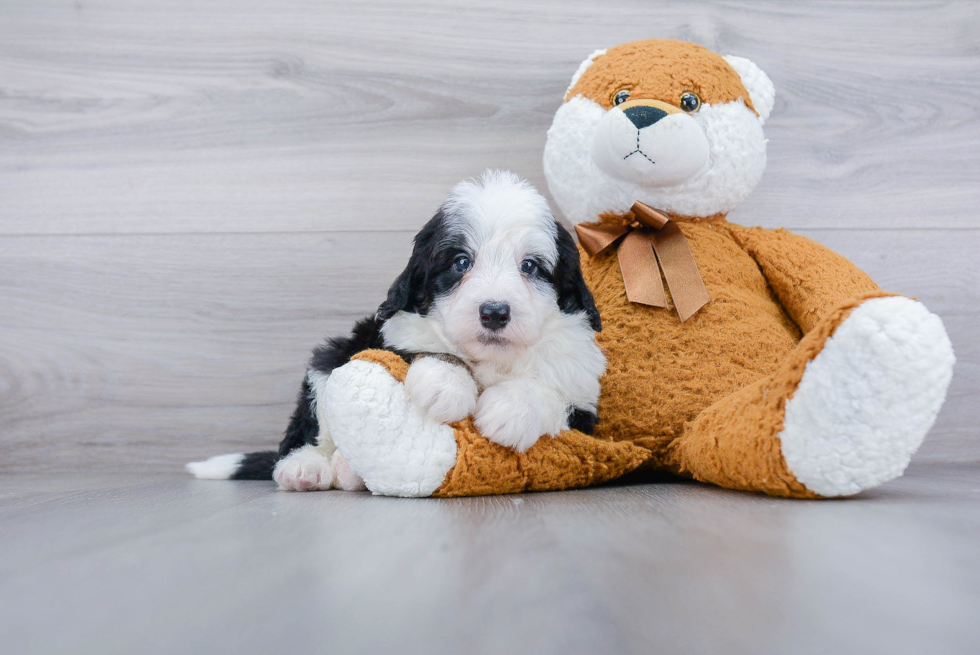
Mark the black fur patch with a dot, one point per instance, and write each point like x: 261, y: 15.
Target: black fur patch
x: 337, y: 351
x: 573, y: 294
x: 303, y: 427
x: 430, y: 272
x: 257, y: 466
x: 582, y: 420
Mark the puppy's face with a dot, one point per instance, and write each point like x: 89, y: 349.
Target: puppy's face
x: 487, y: 275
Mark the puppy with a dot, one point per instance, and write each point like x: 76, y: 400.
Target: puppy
x: 495, y: 320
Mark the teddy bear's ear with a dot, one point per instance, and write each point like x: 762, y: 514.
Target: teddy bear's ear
x: 758, y: 84
x: 584, y: 66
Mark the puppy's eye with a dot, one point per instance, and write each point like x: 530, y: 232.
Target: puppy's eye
x: 462, y: 263
x: 690, y: 103
x: 621, y: 96
x: 528, y: 267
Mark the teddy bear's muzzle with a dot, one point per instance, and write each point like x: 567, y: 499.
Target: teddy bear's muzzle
x: 650, y: 143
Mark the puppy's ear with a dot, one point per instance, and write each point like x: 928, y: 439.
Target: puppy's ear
x: 573, y: 294
x: 407, y: 292
x: 399, y: 295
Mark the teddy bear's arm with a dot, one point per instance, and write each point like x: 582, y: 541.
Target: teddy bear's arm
x: 809, y: 279
x: 399, y: 452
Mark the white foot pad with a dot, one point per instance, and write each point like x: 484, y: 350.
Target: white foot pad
x: 866, y: 402
x: 383, y: 436
x: 304, y: 469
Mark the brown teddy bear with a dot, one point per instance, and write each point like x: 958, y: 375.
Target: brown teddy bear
x: 748, y: 358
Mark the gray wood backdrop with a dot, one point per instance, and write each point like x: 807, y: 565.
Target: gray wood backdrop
x: 192, y: 193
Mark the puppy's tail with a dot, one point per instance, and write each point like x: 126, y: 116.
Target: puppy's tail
x: 235, y: 466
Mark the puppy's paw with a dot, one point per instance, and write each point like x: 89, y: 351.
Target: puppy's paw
x: 304, y: 469
x: 344, y: 476
x: 444, y: 392
x: 513, y: 415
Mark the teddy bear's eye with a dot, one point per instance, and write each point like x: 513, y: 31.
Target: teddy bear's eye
x: 621, y: 96
x: 690, y: 102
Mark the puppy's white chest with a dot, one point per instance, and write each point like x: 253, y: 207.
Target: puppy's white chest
x: 489, y: 375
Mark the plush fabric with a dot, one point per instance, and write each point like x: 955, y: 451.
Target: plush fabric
x: 568, y: 461
x: 735, y: 442
x: 662, y: 69
x: 727, y: 117
x: 800, y: 378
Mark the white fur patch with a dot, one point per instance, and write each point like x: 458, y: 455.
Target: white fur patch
x: 444, y: 392
x: 866, y: 402
x: 516, y: 413
x: 502, y: 212
x: 416, y: 333
x: 304, y: 469
x: 566, y: 361
x: 386, y: 440
x: 560, y: 370
x: 219, y: 467
x: 737, y: 160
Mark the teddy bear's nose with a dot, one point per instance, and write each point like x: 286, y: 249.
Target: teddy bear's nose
x: 643, y: 116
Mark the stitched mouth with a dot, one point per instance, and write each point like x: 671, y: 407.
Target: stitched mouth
x: 638, y: 151
x: 641, y: 153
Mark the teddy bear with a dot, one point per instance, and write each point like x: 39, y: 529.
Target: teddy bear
x: 746, y: 358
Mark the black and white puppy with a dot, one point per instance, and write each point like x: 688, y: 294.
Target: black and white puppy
x: 495, y: 319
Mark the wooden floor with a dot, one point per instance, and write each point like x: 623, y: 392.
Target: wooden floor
x: 164, y: 564
x: 194, y: 192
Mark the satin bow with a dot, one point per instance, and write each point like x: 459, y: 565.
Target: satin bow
x: 652, y: 237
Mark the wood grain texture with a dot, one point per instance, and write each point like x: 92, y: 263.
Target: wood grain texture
x: 188, y: 345
x: 193, y: 193
x: 211, y: 116
x: 157, y: 564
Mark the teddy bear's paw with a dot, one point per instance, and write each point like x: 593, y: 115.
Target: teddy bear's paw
x: 385, y: 439
x: 867, y: 400
x: 304, y: 469
x: 444, y: 392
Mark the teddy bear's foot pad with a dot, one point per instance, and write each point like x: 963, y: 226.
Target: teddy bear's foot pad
x: 384, y: 438
x: 867, y: 400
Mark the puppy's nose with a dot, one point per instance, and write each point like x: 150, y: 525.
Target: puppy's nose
x: 494, y: 315
x: 643, y: 116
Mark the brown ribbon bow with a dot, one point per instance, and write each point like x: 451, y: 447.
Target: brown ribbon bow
x: 651, y: 237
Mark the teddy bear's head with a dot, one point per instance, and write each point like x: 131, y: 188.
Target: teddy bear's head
x: 668, y: 123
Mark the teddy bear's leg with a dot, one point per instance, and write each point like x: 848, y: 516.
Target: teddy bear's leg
x: 386, y: 442
x: 844, y: 413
